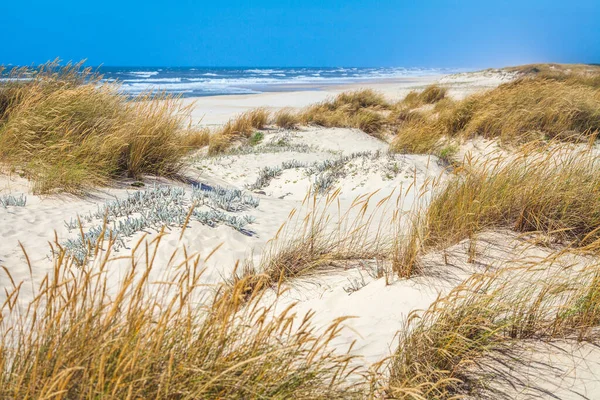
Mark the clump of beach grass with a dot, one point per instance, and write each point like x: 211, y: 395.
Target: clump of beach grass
x: 555, y: 192
x: 322, y: 238
x: 356, y: 109
x: 585, y: 74
x: 528, y: 109
x: 241, y: 127
x: 66, y: 130
x: 196, y: 139
x: 454, y: 348
x: 286, y: 119
x: 80, y: 336
x: 551, y: 190
x: 430, y: 95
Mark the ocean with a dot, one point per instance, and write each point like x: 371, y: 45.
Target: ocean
x: 196, y: 82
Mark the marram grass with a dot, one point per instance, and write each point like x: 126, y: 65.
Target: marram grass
x: 64, y: 129
x: 83, y: 337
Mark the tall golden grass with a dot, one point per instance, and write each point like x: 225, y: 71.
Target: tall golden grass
x: 238, y: 128
x: 586, y: 74
x: 286, y: 119
x: 525, y: 110
x: 79, y: 336
x: 430, y: 95
x: 320, y: 237
x: 554, y: 192
x: 360, y: 109
x: 454, y: 349
x: 550, y: 190
x: 66, y: 130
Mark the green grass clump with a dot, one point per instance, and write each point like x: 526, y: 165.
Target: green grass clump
x: 65, y: 130
x: 256, y: 138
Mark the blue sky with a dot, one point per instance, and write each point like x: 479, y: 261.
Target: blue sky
x: 425, y: 33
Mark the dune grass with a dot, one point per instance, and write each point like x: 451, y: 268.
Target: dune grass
x: 196, y: 139
x: 552, y: 191
x: 454, y: 349
x: 556, y: 193
x: 356, y: 109
x: 430, y: 95
x: 586, y: 74
x: 66, y: 130
x: 286, y: 118
x: 527, y: 109
x: 321, y: 238
x: 360, y: 109
x: 241, y: 127
x: 83, y: 337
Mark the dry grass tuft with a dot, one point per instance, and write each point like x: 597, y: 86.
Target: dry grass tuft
x: 585, y: 74
x: 323, y: 237
x: 521, y: 111
x: 286, y: 119
x: 241, y: 127
x: 556, y: 192
x: 455, y: 347
x: 553, y: 191
x: 66, y: 130
x: 196, y: 139
x: 358, y: 109
x: 368, y: 121
x: 363, y: 98
x: 83, y: 337
x: 430, y: 95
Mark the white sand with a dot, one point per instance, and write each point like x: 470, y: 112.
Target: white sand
x: 379, y: 308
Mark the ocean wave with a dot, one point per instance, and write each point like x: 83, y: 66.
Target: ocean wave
x: 153, y: 80
x: 197, y: 87
x: 143, y: 74
x: 264, y: 71
x: 213, y: 81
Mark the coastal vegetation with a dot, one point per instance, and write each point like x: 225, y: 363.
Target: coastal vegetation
x: 473, y: 343
x: 64, y: 129
x: 241, y: 127
x: 528, y: 109
x: 80, y: 337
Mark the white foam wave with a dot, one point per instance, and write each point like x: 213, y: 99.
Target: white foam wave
x: 264, y: 71
x: 153, y: 80
x: 143, y: 74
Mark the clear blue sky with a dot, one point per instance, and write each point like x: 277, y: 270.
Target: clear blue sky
x: 301, y: 32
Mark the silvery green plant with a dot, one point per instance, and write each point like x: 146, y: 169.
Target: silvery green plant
x: 323, y: 183
x: 327, y: 171
x: 8, y: 200
x: 226, y: 199
x: 157, y: 207
x: 265, y: 176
